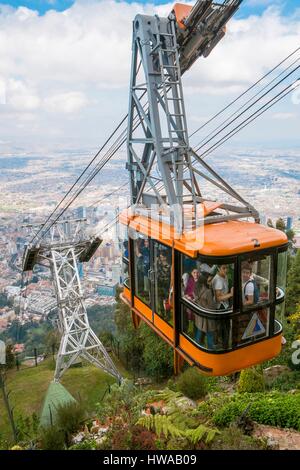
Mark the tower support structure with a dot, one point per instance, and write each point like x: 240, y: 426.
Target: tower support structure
x: 166, y: 175
x: 61, y: 251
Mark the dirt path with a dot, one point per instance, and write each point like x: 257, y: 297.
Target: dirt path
x: 281, y: 439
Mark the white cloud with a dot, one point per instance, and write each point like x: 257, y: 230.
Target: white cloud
x: 284, y: 116
x: 70, y: 102
x: 20, y: 96
x: 62, y: 63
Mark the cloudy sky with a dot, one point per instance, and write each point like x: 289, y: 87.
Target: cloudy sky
x: 64, y: 70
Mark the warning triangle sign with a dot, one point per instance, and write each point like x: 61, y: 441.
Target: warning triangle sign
x: 254, y: 328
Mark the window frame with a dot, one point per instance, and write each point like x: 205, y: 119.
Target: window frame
x: 152, y: 266
x: 133, y: 241
x: 272, y: 290
x: 237, y: 307
x: 152, y: 303
x: 275, y: 327
x: 281, y: 299
x: 218, y: 261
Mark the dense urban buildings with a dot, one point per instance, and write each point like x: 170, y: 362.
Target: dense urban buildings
x: 33, y: 184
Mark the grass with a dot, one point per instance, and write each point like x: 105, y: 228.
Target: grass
x: 28, y: 388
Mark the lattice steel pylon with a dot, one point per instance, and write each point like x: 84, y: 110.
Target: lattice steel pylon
x: 64, y: 247
x: 165, y: 173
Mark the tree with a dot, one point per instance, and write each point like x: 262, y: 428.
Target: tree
x: 293, y: 285
x: 280, y: 225
x: 291, y: 235
x: 130, y: 340
x: 10, y: 356
x: 101, y: 318
x: 52, y: 341
x: 160, y: 364
x: 138, y: 346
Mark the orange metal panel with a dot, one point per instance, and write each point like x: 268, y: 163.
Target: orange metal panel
x: 126, y: 301
x: 136, y: 319
x: 126, y: 293
x: 221, y: 364
x: 227, y: 363
x: 164, y: 327
x: 142, y: 308
x: 181, y: 11
x: 221, y: 239
x: 178, y: 362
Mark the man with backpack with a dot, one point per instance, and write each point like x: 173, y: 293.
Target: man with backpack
x: 250, y: 296
x: 250, y: 289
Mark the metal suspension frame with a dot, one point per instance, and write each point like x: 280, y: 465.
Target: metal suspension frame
x: 164, y: 138
x: 164, y: 169
x: 61, y: 252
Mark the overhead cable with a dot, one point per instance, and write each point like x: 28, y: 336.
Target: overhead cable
x: 244, y: 93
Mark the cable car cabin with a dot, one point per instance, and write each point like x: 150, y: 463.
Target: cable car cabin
x: 213, y: 296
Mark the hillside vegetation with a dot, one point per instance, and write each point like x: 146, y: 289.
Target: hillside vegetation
x: 160, y: 411
x: 29, y: 386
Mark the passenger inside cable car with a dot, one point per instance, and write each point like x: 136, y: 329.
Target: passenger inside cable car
x: 210, y: 288
x: 208, y: 306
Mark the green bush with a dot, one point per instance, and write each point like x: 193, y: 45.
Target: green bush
x: 27, y: 427
x: 121, y: 438
x: 70, y: 416
x: 251, y: 381
x: 286, y: 381
x: 142, y: 439
x: 232, y: 438
x: 192, y: 384
x: 274, y: 409
x: 178, y: 443
x: 86, y: 444
x: 160, y: 364
x: 52, y: 438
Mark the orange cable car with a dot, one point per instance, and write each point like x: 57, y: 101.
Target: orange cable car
x: 207, y: 280
x: 220, y: 334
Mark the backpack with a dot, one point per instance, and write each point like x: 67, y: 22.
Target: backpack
x: 256, y: 291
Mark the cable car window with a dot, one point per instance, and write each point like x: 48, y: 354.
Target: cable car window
x: 125, y: 252
x: 142, y: 267
x: 163, y: 288
x: 125, y: 263
x: 125, y: 273
x: 281, y: 275
x: 250, y: 327
x: 255, y: 274
x: 209, y: 286
x: 222, y: 285
x: 213, y: 334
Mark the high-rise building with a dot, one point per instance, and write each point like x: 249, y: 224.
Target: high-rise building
x: 289, y: 223
x: 107, y: 289
x: 81, y: 212
x: 263, y: 219
x: 116, y: 274
x: 80, y: 270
